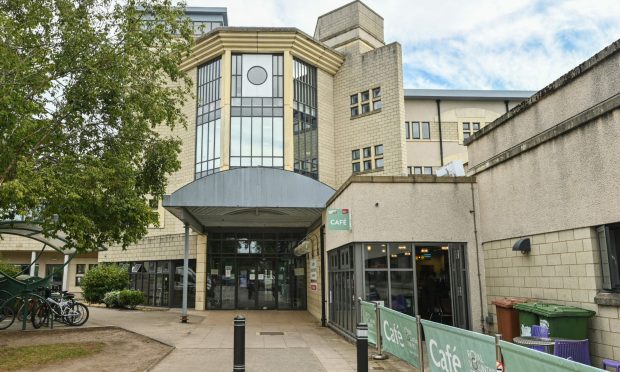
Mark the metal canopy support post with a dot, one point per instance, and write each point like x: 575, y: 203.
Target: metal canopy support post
x: 33, y: 260
x: 65, y: 274
x: 185, y: 270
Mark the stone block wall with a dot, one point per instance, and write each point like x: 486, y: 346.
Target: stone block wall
x: 563, y: 267
x: 152, y: 248
x: 380, y: 67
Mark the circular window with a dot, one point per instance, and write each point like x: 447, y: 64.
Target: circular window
x: 257, y: 75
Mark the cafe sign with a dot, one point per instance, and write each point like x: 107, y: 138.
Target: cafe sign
x: 338, y: 219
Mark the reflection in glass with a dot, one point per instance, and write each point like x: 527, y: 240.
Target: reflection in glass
x: 376, y: 286
x: 402, y: 291
x: 400, y: 256
x: 376, y: 256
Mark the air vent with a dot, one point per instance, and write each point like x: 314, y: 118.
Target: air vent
x: 271, y: 333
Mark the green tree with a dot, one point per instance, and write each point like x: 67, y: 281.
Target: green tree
x: 8, y: 269
x: 103, y: 279
x: 86, y: 88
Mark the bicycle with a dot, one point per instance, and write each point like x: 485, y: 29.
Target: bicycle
x: 63, y: 309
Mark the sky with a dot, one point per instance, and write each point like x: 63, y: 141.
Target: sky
x: 464, y: 44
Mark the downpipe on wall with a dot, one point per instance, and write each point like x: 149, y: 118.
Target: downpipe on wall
x: 473, y: 212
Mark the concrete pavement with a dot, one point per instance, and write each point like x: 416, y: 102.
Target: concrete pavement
x: 294, y: 341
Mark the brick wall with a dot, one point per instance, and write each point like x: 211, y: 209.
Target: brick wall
x: 380, y: 67
x: 563, y: 267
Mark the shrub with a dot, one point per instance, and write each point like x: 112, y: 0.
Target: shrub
x: 8, y: 269
x: 131, y: 298
x: 103, y: 279
x: 112, y: 299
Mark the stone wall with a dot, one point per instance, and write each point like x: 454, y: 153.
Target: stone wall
x: 563, y: 267
x: 380, y: 67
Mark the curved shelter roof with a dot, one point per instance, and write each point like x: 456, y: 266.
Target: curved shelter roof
x: 249, y: 197
x: 34, y: 231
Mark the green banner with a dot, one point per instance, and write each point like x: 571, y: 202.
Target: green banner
x: 521, y: 359
x: 399, y: 335
x: 370, y: 318
x: 453, y: 349
x: 338, y: 219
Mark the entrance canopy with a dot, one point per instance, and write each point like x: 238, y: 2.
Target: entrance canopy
x: 249, y: 197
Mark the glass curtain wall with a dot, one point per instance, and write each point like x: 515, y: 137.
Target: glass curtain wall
x: 208, y: 118
x: 305, y: 130
x: 255, y: 270
x: 257, y: 112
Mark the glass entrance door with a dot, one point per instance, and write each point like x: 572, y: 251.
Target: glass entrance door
x: 246, y: 284
x: 266, y: 285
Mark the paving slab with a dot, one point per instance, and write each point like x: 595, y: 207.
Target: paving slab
x: 275, y: 340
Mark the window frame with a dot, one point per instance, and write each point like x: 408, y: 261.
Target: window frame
x: 355, y: 154
x: 426, y: 125
x: 609, y: 250
x: 364, y: 152
x: 369, y: 163
x: 415, y: 125
x: 377, y: 153
x: 353, y: 166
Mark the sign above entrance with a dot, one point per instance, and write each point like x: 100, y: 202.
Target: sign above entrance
x: 338, y: 219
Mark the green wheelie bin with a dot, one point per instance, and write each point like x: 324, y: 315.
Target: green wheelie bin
x: 567, y: 322
x: 527, y: 318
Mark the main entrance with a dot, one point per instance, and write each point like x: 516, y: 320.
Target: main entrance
x: 255, y: 270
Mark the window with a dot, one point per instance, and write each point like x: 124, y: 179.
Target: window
x: 306, y: 139
x: 426, y: 130
x: 208, y: 118
x: 428, y: 170
x: 379, y: 163
x: 470, y: 128
x: 367, y: 152
x: 355, y: 154
x: 407, y: 130
x: 367, y: 165
x: 367, y: 105
x: 378, y: 150
x: 415, y: 129
x: 78, y: 281
x: 609, y: 243
x: 80, y: 268
x: 257, y: 111
x: 417, y: 170
x: 356, y: 167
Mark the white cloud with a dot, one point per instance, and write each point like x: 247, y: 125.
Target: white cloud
x: 473, y: 44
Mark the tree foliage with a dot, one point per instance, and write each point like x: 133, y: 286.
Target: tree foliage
x: 85, y: 88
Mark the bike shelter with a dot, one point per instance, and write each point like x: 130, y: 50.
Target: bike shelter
x: 22, y: 286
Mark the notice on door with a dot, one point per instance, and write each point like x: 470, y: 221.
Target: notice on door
x: 228, y: 271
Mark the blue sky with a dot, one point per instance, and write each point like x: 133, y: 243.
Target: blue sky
x: 465, y: 44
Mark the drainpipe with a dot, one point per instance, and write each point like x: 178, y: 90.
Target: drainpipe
x: 473, y: 212
x: 506, y: 103
x: 323, y: 284
x: 440, y: 134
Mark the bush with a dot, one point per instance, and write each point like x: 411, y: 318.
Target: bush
x: 103, y: 279
x: 112, y: 299
x: 8, y: 269
x: 130, y: 298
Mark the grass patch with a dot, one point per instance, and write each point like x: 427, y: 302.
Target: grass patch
x: 16, y: 358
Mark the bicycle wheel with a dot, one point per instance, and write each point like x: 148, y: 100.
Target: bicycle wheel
x: 7, y: 317
x: 40, y: 315
x: 81, y: 316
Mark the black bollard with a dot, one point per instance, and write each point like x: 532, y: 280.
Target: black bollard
x: 362, y: 347
x: 239, y: 350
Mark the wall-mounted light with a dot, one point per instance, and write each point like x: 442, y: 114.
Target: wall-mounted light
x: 424, y: 250
x: 369, y: 248
x: 402, y: 247
x: 445, y: 248
x: 522, y: 245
